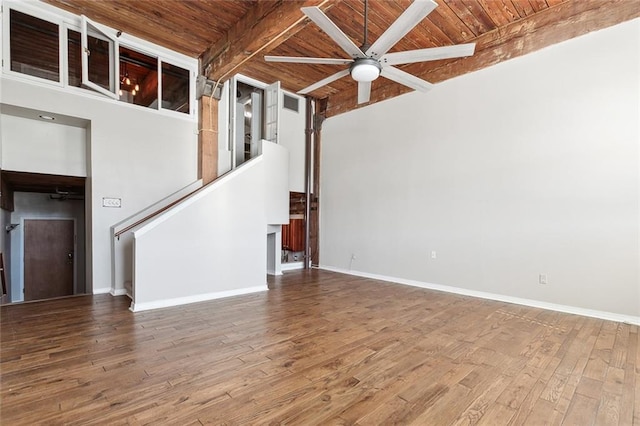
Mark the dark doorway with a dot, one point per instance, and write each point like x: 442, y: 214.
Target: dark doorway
x: 48, y: 258
x: 35, y: 197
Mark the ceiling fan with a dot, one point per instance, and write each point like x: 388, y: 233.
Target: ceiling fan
x: 371, y: 61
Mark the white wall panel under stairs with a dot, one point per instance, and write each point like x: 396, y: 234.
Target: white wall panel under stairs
x: 191, y: 252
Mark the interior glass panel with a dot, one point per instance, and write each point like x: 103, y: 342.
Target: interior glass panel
x: 74, y: 58
x: 34, y: 46
x: 99, y: 63
x: 175, y: 88
x: 138, y: 78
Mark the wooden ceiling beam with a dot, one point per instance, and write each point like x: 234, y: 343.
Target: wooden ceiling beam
x: 553, y: 25
x: 264, y: 27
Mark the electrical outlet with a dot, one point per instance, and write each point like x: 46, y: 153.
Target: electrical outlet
x: 542, y: 279
x: 434, y: 255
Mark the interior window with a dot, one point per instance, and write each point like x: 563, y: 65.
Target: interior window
x: 98, y: 55
x: 138, y: 78
x: 99, y: 60
x: 95, y: 60
x: 34, y: 46
x: 175, y: 88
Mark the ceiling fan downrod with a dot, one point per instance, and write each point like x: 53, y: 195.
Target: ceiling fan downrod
x: 365, y: 69
x: 365, y: 44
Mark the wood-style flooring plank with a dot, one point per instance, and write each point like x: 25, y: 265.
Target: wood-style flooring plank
x: 317, y: 348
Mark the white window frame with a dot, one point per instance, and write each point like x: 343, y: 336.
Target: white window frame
x: 158, y: 59
x: 6, y: 42
x: 114, y: 59
x: 67, y: 21
x: 192, y: 78
x: 231, y: 123
x: 271, y: 126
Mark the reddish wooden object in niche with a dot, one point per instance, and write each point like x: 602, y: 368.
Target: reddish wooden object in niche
x: 293, y: 235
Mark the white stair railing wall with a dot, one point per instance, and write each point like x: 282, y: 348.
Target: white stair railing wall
x: 214, y: 243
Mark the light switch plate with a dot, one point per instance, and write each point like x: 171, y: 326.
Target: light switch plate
x: 111, y: 202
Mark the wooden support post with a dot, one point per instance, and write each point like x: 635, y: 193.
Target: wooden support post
x: 208, y: 140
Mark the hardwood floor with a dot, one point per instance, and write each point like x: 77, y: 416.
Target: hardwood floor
x: 319, y: 348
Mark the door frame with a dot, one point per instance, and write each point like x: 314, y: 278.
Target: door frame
x: 22, y: 248
x: 231, y: 123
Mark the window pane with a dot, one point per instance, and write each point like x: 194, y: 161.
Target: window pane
x: 34, y: 46
x: 99, y: 70
x: 175, y: 88
x: 138, y: 78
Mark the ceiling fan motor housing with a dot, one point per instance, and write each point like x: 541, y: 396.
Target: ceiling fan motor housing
x: 365, y: 69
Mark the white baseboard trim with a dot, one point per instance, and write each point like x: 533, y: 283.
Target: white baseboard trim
x: 105, y: 290
x: 118, y: 291
x: 291, y: 266
x: 609, y: 316
x: 270, y: 272
x: 165, y: 303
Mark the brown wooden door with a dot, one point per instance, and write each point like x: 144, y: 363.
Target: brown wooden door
x: 48, y: 258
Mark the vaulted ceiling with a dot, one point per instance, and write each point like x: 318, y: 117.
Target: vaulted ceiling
x: 233, y: 37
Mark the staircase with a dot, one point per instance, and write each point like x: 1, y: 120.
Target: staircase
x: 211, y: 243
x: 122, y: 241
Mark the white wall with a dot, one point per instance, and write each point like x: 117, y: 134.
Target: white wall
x: 135, y: 154
x: 43, y: 147
x: 214, y: 243
x: 235, y: 246
x: 122, y: 245
x: 525, y: 168
x: 292, y: 137
x: 276, y: 183
x: 41, y: 206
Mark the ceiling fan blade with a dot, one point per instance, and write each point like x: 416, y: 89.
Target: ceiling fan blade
x: 431, y: 54
x: 364, y: 91
x: 305, y: 60
x: 324, y: 82
x: 332, y: 30
x: 405, y: 23
x: 409, y: 80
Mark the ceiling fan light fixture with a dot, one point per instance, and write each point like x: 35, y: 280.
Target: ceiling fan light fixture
x: 365, y: 70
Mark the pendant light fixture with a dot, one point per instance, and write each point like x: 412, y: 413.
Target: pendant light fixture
x: 126, y: 84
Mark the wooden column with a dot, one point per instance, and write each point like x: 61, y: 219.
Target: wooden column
x: 208, y: 140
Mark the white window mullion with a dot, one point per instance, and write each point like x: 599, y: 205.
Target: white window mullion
x: 159, y: 84
x: 62, y: 53
x: 114, y: 64
x: 6, y: 59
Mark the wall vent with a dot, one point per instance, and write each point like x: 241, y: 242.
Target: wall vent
x: 290, y: 103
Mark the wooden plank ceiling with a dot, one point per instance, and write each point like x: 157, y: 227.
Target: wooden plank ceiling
x: 233, y: 36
